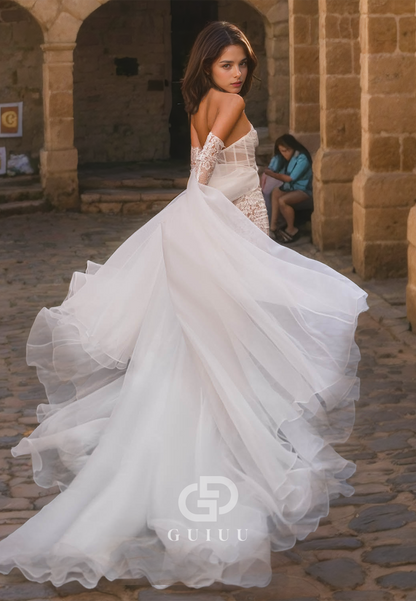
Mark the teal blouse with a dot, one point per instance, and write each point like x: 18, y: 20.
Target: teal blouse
x: 299, y: 168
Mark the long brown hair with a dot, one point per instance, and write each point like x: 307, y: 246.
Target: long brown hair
x: 207, y: 47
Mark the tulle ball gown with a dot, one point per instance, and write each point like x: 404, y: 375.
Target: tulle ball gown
x: 196, y: 383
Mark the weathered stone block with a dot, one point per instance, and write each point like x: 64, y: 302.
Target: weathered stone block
x: 397, y: 7
x: 387, y: 224
x: 383, y: 259
x: 59, y: 78
x: 314, y: 30
x: 336, y: 165
x: 59, y: 105
x: 305, y: 7
x: 329, y: 233
x: 391, y: 114
x: 110, y: 208
x: 343, y: 92
x: 356, y: 57
x: 407, y: 28
x: 306, y: 60
x: 384, y: 190
x: 59, y: 161
x: 334, y: 200
x: 345, y: 31
x: 26, y: 3
x: 391, y: 74
x: 411, y: 229
x: 342, y: 7
x: 300, y: 29
x: 61, y: 190
x: 305, y: 89
x: 45, y: 12
x: 411, y: 305
x: 306, y: 117
x: 383, y: 153
x: 59, y: 134
x: 381, y: 35
x: 338, y: 57
x: 64, y: 29
x: 409, y: 153
x: 342, y: 129
x: 80, y: 9
x: 275, y: 11
x: 411, y: 262
x: 330, y: 24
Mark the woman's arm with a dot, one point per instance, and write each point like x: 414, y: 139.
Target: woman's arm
x: 229, y: 112
x: 275, y: 167
x: 281, y: 176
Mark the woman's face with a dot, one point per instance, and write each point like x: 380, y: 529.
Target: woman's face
x: 230, y: 69
x: 286, y: 152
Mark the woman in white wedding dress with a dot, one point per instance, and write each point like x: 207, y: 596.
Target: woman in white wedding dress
x: 195, y: 381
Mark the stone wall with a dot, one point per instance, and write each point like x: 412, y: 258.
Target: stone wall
x: 304, y: 69
x: 277, y: 50
x: 385, y: 188
x: 251, y: 22
x: 117, y: 117
x: 21, y: 75
x: 338, y: 158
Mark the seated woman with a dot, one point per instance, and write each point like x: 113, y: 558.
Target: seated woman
x: 292, y: 165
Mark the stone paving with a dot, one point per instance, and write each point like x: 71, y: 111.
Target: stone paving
x: 365, y: 550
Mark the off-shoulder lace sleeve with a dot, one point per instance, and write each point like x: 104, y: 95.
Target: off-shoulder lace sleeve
x: 207, y: 158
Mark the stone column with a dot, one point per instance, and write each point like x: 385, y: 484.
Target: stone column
x: 385, y: 188
x: 59, y: 158
x: 277, y: 51
x: 338, y: 158
x: 304, y: 72
x: 411, y: 261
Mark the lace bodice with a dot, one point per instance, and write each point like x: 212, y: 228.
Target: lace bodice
x: 241, y: 153
x: 233, y: 170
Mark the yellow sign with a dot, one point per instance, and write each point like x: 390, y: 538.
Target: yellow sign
x: 11, y: 119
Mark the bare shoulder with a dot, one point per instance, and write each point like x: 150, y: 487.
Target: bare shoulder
x: 228, y: 102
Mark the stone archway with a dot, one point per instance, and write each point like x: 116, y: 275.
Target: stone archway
x: 61, y: 23
x: 128, y: 118
x: 122, y: 112
x: 21, y: 75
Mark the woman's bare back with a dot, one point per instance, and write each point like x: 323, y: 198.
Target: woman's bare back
x: 213, y: 103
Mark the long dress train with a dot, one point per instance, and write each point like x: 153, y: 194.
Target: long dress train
x: 195, y: 382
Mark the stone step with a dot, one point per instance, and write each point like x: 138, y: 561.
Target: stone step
x: 94, y: 183
x: 128, y: 201
x: 14, y: 193
x: 18, y: 180
x: 22, y: 207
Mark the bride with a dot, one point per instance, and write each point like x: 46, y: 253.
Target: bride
x: 196, y: 381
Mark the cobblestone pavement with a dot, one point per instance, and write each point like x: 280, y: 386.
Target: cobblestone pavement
x: 365, y: 550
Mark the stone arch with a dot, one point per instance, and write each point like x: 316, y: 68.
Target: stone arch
x: 142, y: 132
x: 21, y: 75
x: 130, y: 121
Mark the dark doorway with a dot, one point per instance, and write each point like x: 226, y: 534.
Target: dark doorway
x: 188, y: 18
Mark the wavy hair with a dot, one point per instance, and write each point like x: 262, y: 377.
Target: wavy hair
x: 207, y: 48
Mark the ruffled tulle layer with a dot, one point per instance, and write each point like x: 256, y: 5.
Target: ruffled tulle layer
x: 196, y: 382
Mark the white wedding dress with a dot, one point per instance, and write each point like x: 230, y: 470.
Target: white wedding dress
x: 196, y: 382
